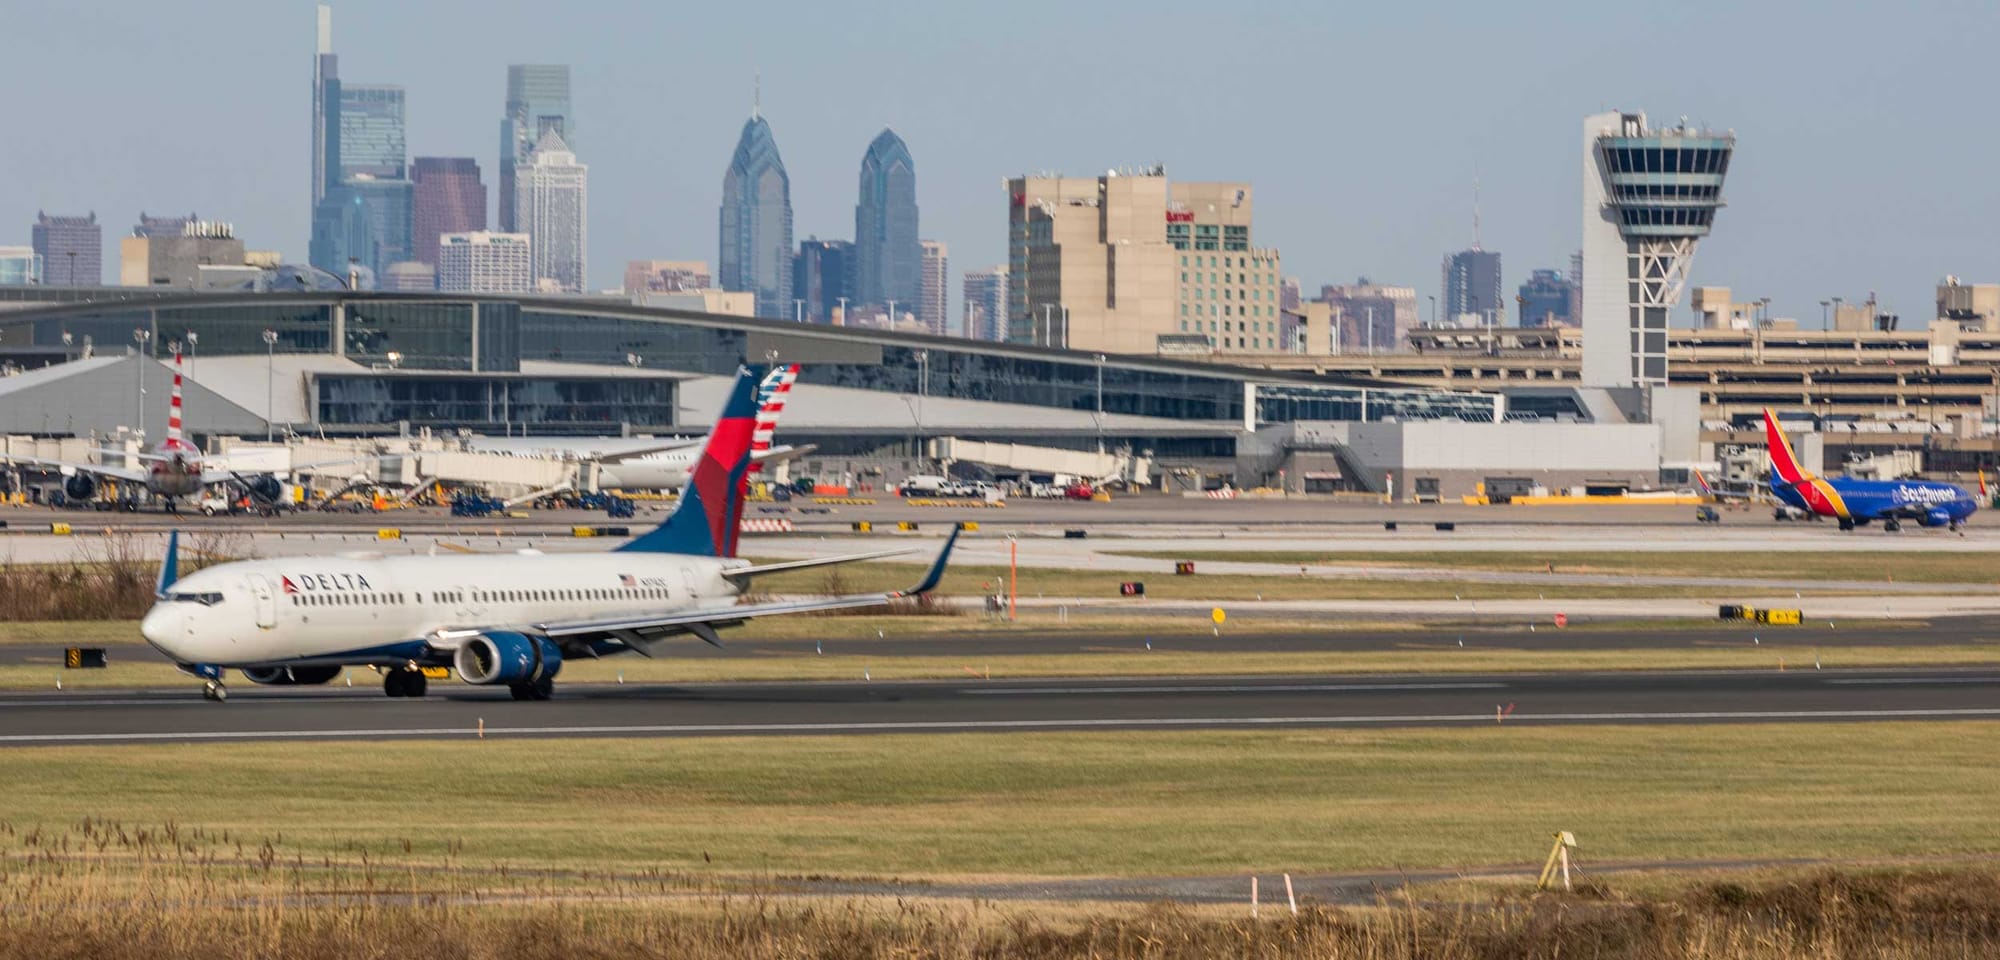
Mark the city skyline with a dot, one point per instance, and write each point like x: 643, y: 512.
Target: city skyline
x: 1816, y: 131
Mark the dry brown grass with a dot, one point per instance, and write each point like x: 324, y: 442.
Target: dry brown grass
x: 122, y: 892
x: 113, y: 580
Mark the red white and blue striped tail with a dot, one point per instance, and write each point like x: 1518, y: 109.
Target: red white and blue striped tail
x: 771, y: 396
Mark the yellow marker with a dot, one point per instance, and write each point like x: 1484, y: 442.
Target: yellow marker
x: 388, y: 533
x: 1217, y: 615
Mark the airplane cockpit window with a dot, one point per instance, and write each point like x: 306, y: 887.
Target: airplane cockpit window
x: 208, y: 599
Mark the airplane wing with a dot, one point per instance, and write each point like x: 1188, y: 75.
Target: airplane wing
x: 635, y: 453
x: 744, y: 575
x: 127, y: 474
x: 640, y: 632
x: 784, y: 453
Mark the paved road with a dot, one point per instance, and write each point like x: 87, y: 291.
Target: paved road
x: 458, y: 712
x: 1249, y: 638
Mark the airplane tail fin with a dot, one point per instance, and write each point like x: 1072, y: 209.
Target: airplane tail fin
x: 1702, y: 481
x: 771, y: 395
x: 1982, y: 483
x: 174, y: 410
x: 1785, y: 468
x: 710, y: 514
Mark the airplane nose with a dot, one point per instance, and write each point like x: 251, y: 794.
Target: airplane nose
x: 165, y: 628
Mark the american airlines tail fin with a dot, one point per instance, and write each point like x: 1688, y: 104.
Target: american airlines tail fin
x: 1785, y: 466
x: 174, y: 440
x: 711, y: 509
x: 771, y: 395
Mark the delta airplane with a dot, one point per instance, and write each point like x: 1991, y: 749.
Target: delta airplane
x: 173, y: 470
x: 1859, y: 502
x: 665, y: 464
x: 506, y: 619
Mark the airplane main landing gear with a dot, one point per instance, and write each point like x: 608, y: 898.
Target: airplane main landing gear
x: 1892, y: 525
x: 214, y: 692
x: 405, y: 683
x: 1846, y: 524
x: 539, y: 690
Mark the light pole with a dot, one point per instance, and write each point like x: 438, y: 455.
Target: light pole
x: 141, y: 336
x: 843, y: 311
x: 270, y: 383
x: 798, y: 310
x: 1047, y: 308
x: 1434, y: 311
x: 1100, y: 404
x: 1824, y: 323
x: 923, y: 390
x: 1065, y: 315
x: 892, y: 314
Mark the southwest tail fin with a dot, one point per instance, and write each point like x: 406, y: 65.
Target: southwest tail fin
x: 1982, y: 483
x: 711, y: 509
x: 1785, y: 466
x: 771, y: 396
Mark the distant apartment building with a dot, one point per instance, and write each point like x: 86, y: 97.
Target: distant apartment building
x: 667, y: 276
x: 1088, y: 262
x: 482, y: 262
x: 1227, y: 288
x: 551, y: 205
x: 1289, y: 293
x: 71, y: 249
x: 1973, y: 306
x: 446, y: 196
x: 159, y: 259
x: 409, y: 276
x: 1370, y: 317
x: 985, y: 309
x: 1471, y: 285
x: 1545, y: 300
x: 823, y: 278
x: 934, y: 287
x: 19, y: 266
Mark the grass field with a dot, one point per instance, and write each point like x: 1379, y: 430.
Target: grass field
x: 1099, y: 585
x: 1912, y: 567
x: 1063, y: 804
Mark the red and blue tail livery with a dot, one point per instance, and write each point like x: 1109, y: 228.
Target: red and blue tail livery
x: 710, y: 514
x: 1861, y: 502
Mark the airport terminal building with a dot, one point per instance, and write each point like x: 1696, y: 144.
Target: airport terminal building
x: 340, y: 363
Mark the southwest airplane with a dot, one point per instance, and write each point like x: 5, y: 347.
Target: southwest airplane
x: 505, y: 619
x: 1857, y: 502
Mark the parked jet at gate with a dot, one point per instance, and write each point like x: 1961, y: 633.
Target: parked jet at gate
x: 505, y: 619
x: 1858, y: 502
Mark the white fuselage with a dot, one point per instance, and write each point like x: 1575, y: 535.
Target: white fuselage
x: 329, y: 609
x: 666, y: 470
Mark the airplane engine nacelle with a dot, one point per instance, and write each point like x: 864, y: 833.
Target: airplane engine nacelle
x: 507, y: 657
x: 1937, y: 517
x: 289, y: 676
x: 266, y: 488
x: 81, y: 486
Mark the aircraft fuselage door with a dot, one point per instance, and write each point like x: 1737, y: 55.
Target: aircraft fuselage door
x: 265, y: 599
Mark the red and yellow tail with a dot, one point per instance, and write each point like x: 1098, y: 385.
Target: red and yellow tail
x: 1784, y: 463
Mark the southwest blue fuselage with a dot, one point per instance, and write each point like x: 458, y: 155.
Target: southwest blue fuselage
x: 1860, y: 501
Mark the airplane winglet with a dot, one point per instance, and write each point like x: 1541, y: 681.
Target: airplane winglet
x: 936, y: 573
x: 170, y: 565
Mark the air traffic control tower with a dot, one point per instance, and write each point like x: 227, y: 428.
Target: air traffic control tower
x: 1648, y: 196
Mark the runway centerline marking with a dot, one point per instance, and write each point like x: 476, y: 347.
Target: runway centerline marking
x: 979, y: 725
x: 1230, y: 688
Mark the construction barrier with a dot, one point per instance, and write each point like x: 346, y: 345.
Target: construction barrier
x: 600, y: 531
x: 388, y: 533
x: 83, y: 658
x: 863, y: 526
x: 1184, y: 568
x: 1734, y: 611
x: 766, y: 525
x: 908, y: 526
x: 1781, y: 618
x: 1132, y: 588
x: 59, y: 529
x: 1227, y: 493
x: 968, y: 525
x: 963, y: 504
x: 846, y: 501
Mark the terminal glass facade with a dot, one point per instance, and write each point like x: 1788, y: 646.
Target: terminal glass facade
x: 412, y: 336
x: 506, y: 405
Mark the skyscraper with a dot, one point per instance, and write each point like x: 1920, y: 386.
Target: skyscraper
x: 1471, y: 281
x: 371, y: 131
x: 934, y: 290
x: 986, y: 304
x: 1545, y: 300
x: 362, y: 221
x: 445, y: 197
x: 19, y: 265
x: 71, y: 248
x: 887, y: 255
x: 756, y: 221
x: 326, y: 110
x: 551, y: 203
x: 480, y: 262
x: 537, y: 102
x: 821, y: 277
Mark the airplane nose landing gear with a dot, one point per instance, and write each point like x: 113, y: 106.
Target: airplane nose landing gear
x: 214, y: 692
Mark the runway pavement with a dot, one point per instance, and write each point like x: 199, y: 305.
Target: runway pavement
x: 458, y: 712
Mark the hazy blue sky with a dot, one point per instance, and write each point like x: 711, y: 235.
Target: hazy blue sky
x: 1866, y: 155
